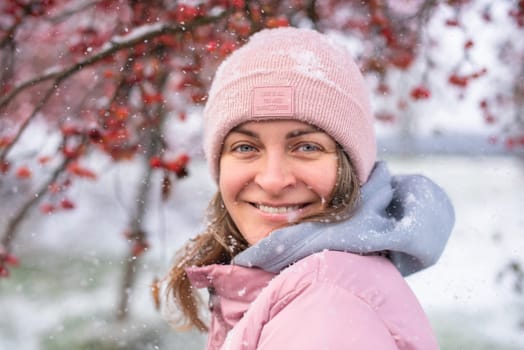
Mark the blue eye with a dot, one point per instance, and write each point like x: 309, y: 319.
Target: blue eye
x: 244, y: 148
x: 308, y: 147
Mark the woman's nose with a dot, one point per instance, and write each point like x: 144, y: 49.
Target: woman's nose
x: 275, y: 174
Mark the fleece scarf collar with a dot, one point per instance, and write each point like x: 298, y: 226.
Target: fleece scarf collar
x: 407, y: 216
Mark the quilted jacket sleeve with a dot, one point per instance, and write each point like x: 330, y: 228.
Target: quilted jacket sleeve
x: 326, y: 317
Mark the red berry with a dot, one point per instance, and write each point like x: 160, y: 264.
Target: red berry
x: 5, y: 141
x: 23, y: 172
x: 4, y: 272
x: 383, y: 89
x: 156, y: 162
x: 211, y: 46
x: 75, y: 168
x: 11, y: 260
x: 420, y: 93
x: 275, y: 22
x: 47, y: 208
x: 489, y: 118
x: 385, y: 117
x: 452, y: 22
x: 401, y: 59
x: 237, y: 4
x: 178, y: 166
x: 4, y: 167
x: 457, y: 80
x: 139, y: 248
x: 95, y: 135
x: 67, y: 204
x: 510, y: 143
x: 44, y: 159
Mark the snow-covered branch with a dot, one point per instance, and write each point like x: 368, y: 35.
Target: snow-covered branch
x: 117, y: 43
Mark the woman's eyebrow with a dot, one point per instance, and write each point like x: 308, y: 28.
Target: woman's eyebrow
x: 250, y: 133
x: 300, y: 132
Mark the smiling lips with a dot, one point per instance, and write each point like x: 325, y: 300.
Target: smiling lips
x: 278, y: 210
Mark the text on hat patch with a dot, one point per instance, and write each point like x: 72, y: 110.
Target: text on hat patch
x: 273, y: 101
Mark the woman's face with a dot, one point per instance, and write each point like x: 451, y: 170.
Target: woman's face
x: 273, y: 173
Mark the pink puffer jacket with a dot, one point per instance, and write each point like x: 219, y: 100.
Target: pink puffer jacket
x: 329, y: 300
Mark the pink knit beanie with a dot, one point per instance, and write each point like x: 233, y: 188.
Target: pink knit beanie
x: 290, y: 73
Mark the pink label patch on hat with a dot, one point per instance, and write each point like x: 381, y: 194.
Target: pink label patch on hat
x: 271, y: 101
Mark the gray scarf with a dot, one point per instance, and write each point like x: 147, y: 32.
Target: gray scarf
x: 407, y: 216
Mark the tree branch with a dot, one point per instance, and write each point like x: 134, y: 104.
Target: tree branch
x: 68, y: 13
x: 38, y: 107
x: 311, y: 12
x: 9, y: 35
x: 7, y: 64
x: 153, y: 140
x: 115, y: 45
x: 13, y: 224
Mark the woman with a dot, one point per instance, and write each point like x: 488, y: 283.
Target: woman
x: 308, y: 235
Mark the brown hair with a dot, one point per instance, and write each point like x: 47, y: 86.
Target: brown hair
x: 222, y: 241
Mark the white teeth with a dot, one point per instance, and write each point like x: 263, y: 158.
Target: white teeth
x: 277, y: 210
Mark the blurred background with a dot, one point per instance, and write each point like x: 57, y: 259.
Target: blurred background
x: 102, y: 176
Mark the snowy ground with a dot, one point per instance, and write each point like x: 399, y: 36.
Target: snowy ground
x: 65, y: 289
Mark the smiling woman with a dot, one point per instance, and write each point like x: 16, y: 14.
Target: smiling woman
x: 305, y: 223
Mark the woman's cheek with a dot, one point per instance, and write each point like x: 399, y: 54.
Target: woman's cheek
x: 231, y: 179
x: 321, y: 178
